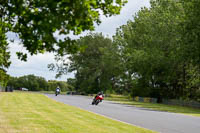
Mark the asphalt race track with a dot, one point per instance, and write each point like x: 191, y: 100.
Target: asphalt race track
x: 163, y: 122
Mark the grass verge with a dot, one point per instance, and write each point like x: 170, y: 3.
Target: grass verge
x: 35, y: 113
x: 154, y: 106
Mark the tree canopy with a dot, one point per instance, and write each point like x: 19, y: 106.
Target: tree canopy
x: 95, y: 64
x: 161, y: 51
x: 37, y: 22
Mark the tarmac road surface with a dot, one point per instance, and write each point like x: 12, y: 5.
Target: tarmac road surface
x: 163, y: 122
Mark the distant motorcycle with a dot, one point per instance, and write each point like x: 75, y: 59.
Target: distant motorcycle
x: 57, y: 92
x: 97, y: 100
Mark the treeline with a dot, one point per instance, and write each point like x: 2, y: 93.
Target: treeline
x: 155, y: 55
x: 161, y: 50
x: 35, y: 83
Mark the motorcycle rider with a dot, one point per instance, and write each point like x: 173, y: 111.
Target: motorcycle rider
x: 99, y: 93
x: 58, y: 90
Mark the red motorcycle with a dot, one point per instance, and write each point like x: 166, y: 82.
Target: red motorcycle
x: 97, y: 100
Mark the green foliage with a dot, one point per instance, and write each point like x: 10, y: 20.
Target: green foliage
x: 38, y: 22
x: 191, y: 31
x: 95, y: 64
x: 156, y: 55
x: 3, y: 78
x: 4, y: 54
x: 72, y: 83
x: 35, y: 83
x: 53, y: 84
x: 160, y: 59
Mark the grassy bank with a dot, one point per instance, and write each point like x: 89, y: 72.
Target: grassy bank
x: 35, y: 113
x: 154, y: 106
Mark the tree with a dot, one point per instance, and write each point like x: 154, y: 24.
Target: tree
x: 191, y: 48
x: 95, y: 65
x: 37, y: 23
x: 191, y: 30
x: 53, y: 84
x: 72, y: 83
x: 4, y: 54
x: 155, y: 53
x: 43, y: 84
x: 12, y: 83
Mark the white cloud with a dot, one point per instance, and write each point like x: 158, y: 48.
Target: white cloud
x: 37, y: 64
x: 109, y: 25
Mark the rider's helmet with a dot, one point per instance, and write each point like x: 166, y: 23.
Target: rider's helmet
x: 100, y: 93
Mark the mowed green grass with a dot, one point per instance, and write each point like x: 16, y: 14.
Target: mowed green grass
x: 35, y: 113
x: 154, y: 106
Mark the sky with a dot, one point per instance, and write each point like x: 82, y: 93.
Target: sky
x: 37, y: 64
